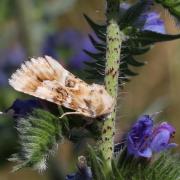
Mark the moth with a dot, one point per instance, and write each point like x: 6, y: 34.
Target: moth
x: 45, y: 78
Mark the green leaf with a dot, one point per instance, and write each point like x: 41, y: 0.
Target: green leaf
x: 133, y: 48
x: 150, y: 37
x: 136, y: 43
x: 100, y: 30
x: 164, y: 166
x: 97, y: 164
x: 173, y: 6
x: 99, y: 46
x: 39, y: 134
x: 96, y: 56
x: 132, y: 61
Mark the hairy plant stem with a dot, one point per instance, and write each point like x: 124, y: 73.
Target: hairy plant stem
x: 113, y: 41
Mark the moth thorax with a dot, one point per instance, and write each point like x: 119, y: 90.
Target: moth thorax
x: 102, y: 101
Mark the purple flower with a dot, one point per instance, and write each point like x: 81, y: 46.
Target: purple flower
x: 15, y: 55
x: 149, y: 20
x: 60, y: 41
x: 49, y: 46
x: 152, y: 22
x: 84, y: 171
x: 77, y: 61
x: 11, y: 58
x: 68, y: 45
x: 3, y: 79
x: 161, y: 137
x: 23, y: 107
x: 138, y: 139
x: 143, y: 139
x: 82, y: 174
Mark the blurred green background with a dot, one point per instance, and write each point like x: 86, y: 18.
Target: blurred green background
x: 57, y: 28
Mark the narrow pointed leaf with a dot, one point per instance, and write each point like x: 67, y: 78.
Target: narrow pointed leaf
x: 97, y: 56
x: 97, y: 45
x: 138, y: 50
x: 129, y: 72
x: 150, y: 37
x: 131, y: 60
x: 100, y: 30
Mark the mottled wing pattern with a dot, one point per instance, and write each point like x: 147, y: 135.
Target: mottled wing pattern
x: 45, y: 78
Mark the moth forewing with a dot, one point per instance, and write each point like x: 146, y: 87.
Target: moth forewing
x: 45, y: 78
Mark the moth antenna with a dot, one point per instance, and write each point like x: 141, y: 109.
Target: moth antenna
x: 14, y: 114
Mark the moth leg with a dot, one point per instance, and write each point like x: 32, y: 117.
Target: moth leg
x: 69, y: 113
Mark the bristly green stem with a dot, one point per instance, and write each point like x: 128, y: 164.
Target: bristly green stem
x: 113, y: 41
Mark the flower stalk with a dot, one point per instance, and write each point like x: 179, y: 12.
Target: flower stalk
x: 113, y: 49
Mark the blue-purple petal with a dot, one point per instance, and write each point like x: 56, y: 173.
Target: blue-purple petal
x: 144, y: 139
x: 149, y: 20
x: 23, y: 107
x: 153, y: 22
x: 147, y: 153
x: 138, y: 139
x: 160, y: 141
x: 68, y: 44
x: 162, y: 134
